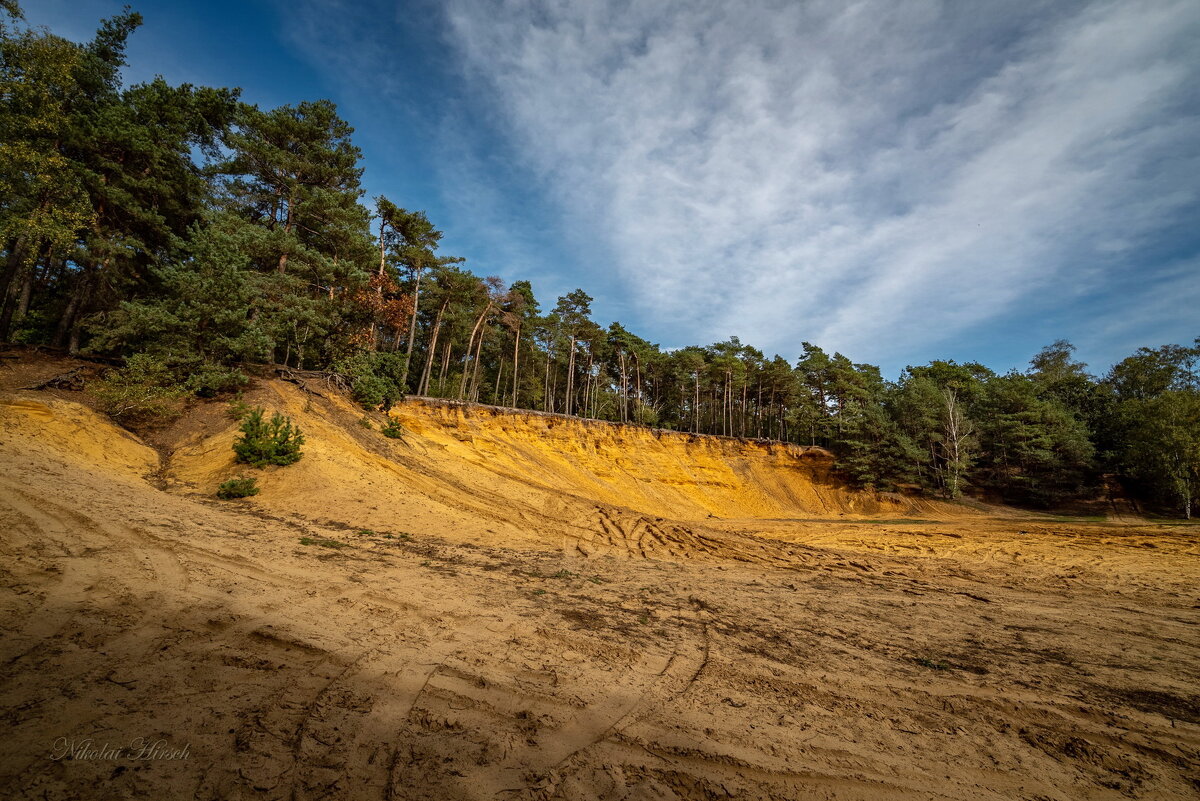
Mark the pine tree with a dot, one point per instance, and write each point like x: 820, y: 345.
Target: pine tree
x: 293, y: 181
x: 201, y: 313
x: 573, y: 310
x: 1033, y: 449
x: 44, y: 204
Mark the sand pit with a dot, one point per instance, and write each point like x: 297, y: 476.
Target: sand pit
x: 498, y: 607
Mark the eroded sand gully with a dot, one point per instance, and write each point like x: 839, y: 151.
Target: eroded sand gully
x: 519, y: 615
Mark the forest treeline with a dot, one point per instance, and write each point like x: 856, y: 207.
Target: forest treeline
x: 194, y: 235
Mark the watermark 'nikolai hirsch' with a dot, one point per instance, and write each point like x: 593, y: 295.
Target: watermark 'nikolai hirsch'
x: 140, y: 748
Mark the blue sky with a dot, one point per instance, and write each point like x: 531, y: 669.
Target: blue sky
x: 896, y: 181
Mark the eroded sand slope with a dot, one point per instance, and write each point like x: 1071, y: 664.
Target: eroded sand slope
x: 485, y: 476
x: 470, y: 613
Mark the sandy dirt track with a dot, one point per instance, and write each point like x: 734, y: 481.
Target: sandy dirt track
x: 297, y: 647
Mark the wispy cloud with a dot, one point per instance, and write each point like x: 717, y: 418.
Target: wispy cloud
x: 428, y: 142
x: 872, y: 176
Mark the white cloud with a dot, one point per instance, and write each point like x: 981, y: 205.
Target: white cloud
x: 875, y: 177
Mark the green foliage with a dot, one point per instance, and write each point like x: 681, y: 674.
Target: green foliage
x: 266, y: 442
x: 211, y: 380
x: 150, y: 389
x: 1151, y: 432
x: 144, y: 391
x: 1152, y: 371
x: 375, y: 378
x: 393, y: 429
x: 647, y: 415
x: 238, y: 409
x: 291, y: 188
x: 869, y: 447
x: 1034, y: 450
x: 241, y: 487
x: 1161, y: 450
x: 1058, y: 376
x: 936, y: 443
x: 45, y: 199
x: 202, y: 312
x: 103, y: 179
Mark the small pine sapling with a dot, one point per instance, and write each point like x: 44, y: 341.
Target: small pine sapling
x: 264, y: 442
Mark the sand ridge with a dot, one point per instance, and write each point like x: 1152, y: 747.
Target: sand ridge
x: 489, y: 477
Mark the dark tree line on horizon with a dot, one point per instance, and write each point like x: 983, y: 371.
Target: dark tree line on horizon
x: 194, y: 234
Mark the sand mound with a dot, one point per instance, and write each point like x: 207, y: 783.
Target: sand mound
x: 482, y: 475
x: 660, y: 473
x: 75, y: 433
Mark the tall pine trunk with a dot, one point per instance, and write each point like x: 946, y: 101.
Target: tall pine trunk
x: 624, y: 389
x: 570, y: 377
x: 68, y: 323
x: 287, y: 230
x: 423, y: 384
x: 516, y: 366
x: 475, y: 373
x: 462, y: 385
x: 12, y: 270
x: 412, y: 330
x: 445, y: 369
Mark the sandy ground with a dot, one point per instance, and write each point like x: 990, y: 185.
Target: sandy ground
x: 159, y: 643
